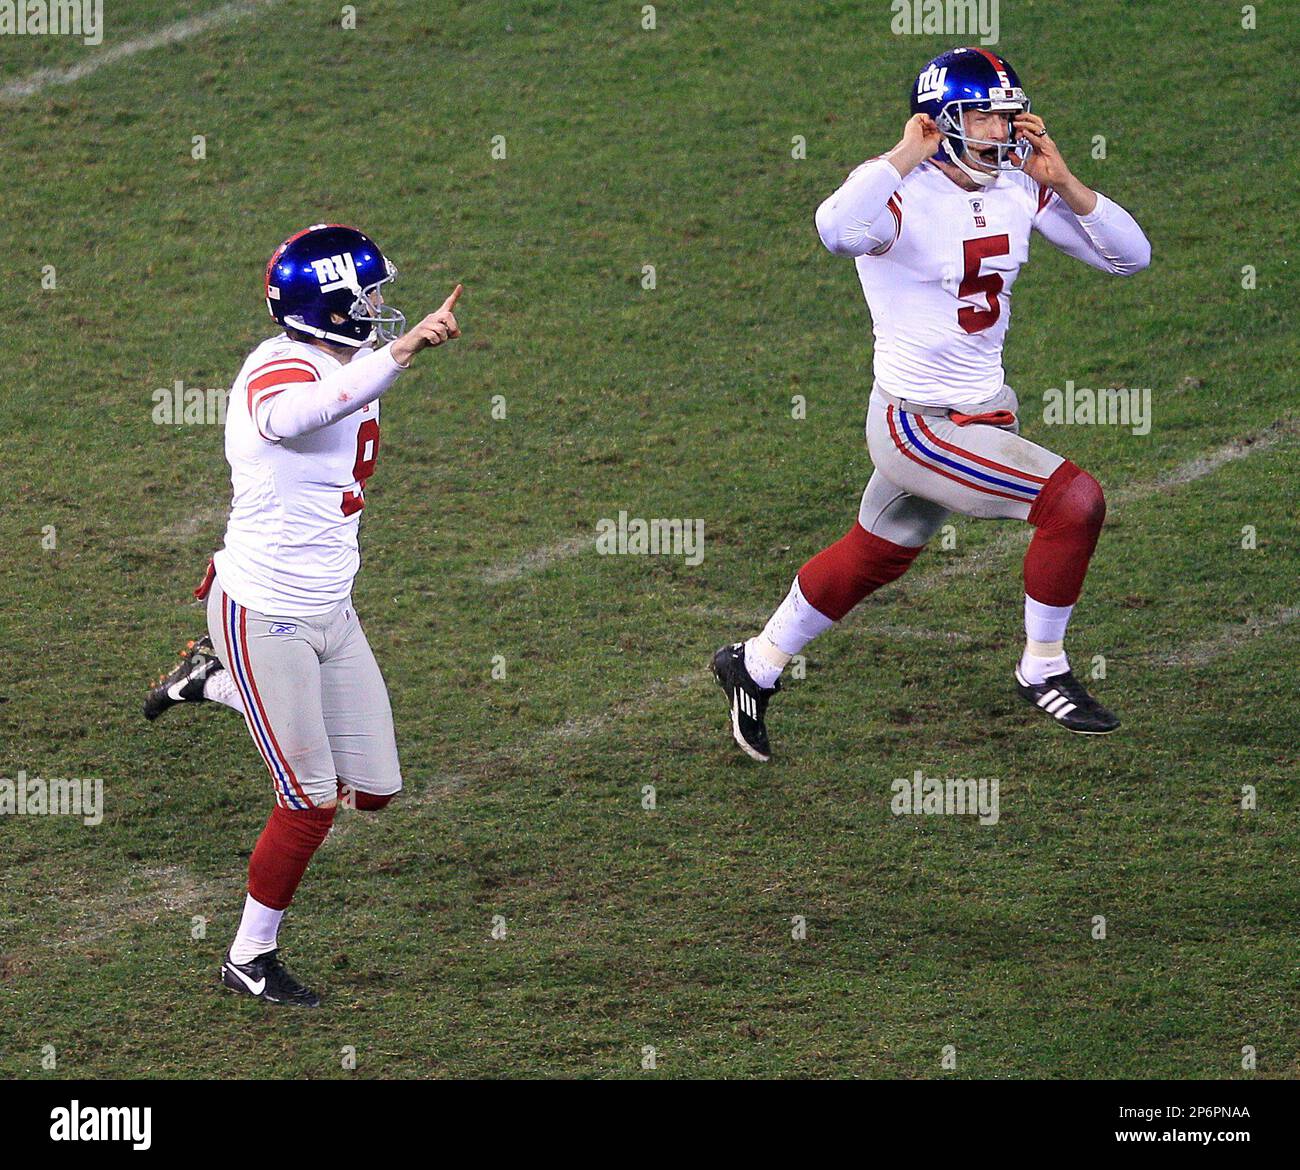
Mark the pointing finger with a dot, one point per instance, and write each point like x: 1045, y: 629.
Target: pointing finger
x: 450, y: 302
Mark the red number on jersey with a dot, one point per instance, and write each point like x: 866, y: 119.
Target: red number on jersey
x: 364, y: 467
x: 973, y: 252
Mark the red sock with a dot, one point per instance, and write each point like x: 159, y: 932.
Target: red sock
x: 282, y: 852
x: 840, y: 576
x: 1067, y: 515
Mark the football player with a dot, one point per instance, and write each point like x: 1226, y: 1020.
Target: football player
x: 938, y: 228
x: 284, y: 644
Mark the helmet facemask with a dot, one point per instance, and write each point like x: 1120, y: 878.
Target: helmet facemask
x: 369, y: 308
x: 951, y: 122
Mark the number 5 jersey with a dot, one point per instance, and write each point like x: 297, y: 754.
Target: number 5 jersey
x: 937, y: 263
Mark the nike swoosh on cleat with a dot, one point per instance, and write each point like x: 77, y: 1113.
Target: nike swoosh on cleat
x: 174, y: 691
x: 256, y: 987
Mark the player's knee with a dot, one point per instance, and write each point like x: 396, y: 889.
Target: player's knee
x: 1087, y: 502
x: 365, y: 801
x: 368, y: 802
x: 1071, y: 499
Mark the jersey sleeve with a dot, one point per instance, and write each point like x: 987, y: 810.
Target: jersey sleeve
x: 269, y: 381
x: 284, y: 409
x: 865, y: 216
x: 1107, y: 238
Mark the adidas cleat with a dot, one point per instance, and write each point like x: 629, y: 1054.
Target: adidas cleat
x: 185, y: 683
x: 265, y: 977
x: 748, y: 701
x: 1063, y: 697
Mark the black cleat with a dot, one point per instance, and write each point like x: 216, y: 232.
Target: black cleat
x: 185, y: 683
x: 1063, y: 697
x: 267, y: 978
x: 748, y: 701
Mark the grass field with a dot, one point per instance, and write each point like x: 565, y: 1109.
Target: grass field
x: 670, y: 928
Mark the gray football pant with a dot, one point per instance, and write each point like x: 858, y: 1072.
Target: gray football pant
x: 928, y: 467
x: 314, y: 699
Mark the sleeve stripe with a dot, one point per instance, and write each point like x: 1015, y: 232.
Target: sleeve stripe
x: 289, y: 363
x: 1044, y: 194
x: 272, y: 378
x: 895, y: 206
x: 281, y: 378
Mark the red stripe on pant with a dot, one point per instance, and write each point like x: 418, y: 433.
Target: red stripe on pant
x: 228, y: 657
x: 257, y: 699
x: 934, y: 467
x: 1068, y: 515
x: 953, y: 449
x: 840, y: 576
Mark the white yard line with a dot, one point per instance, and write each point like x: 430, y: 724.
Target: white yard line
x: 167, y: 890
x: 1229, y: 639
x: 212, y: 517
x: 1194, y: 469
x: 171, y: 34
x: 1204, y: 465
x: 585, y: 726
x: 537, y: 560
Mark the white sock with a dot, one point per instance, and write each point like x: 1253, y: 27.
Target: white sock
x: 221, y: 688
x: 794, y: 624
x: 1044, y: 653
x: 257, y: 931
x: 764, y: 661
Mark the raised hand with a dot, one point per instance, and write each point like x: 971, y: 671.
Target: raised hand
x: 433, y: 330
x: 921, y: 140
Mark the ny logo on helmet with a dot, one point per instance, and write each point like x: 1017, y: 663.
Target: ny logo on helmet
x: 335, y: 272
x: 929, y: 86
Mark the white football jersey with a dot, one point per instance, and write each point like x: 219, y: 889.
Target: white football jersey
x: 291, y: 540
x: 940, y: 292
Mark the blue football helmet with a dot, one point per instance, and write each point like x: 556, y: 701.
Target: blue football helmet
x: 975, y: 79
x: 325, y: 282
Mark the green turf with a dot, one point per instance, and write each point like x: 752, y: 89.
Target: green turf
x: 669, y: 928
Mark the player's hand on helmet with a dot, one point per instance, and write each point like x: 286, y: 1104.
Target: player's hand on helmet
x: 433, y: 330
x: 921, y: 139
x: 1044, y: 163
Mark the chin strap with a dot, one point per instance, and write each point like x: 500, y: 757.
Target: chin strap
x: 983, y: 178
x: 324, y: 335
